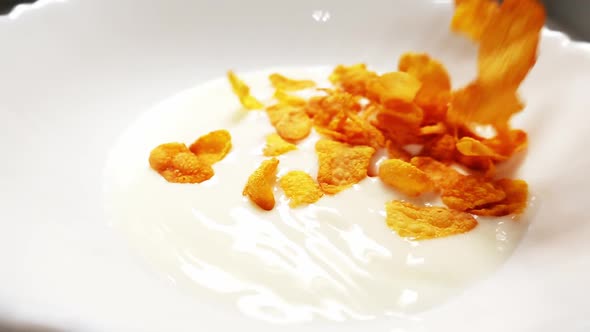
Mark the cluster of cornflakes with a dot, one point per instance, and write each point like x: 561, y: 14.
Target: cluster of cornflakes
x: 366, y: 111
x: 178, y: 163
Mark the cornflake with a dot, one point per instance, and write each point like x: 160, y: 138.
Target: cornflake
x: 243, y: 92
x: 405, y: 177
x: 212, y: 147
x: 290, y: 122
x: 283, y: 83
x: 473, y: 16
x: 514, y: 203
x: 260, y: 186
x: 509, y: 42
x: 423, y: 223
x: 353, y: 79
x: 471, y: 147
x: 442, y: 175
x: 435, y: 91
x: 341, y: 165
x: 442, y: 148
x: 300, y: 188
x: 276, y: 146
x: 470, y: 192
x: 177, y: 164
x: 287, y: 99
x: 392, y: 88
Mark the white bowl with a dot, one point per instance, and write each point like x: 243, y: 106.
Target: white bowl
x: 75, y: 74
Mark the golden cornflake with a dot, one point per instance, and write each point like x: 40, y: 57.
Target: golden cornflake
x: 435, y: 91
x: 300, y: 188
x: 243, y: 92
x: 283, y: 83
x: 212, y: 147
x: 291, y: 123
x: 405, y: 177
x: 260, y: 185
x: 353, y: 79
x: 393, y: 88
x: 276, y: 146
x: 177, y: 164
x: 442, y: 175
x: 471, y: 192
x: 514, y: 203
x: 341, y: 165
x: 423, y: 223
x: 473, y: 16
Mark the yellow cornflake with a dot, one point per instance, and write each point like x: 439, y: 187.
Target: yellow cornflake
x: 392, y: 88
x: 212, y: 147
x: 276, y: 146
x: 471, y: 17
x: 352, y: 79
x: 175, y: 163
x: 435, y: 91
x: 243, y: 92
x: 471, y: 192
x: 442, y: 175
x: 287, y: 99
x: 341, y: 165
x: 300, y: 188
x: 514, y: 203
x: 472, y: 147
x: 281, y: 82
x: 422, y: 223
x: 260, y: 185
x: 405, y: 177
x: 291, y: 123
x: 161, y: 156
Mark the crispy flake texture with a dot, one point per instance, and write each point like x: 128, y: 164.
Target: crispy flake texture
x: 405, y: 177
x: 281, y: 82
x: 393, y: 88
x: 276, y: 146
x: 341, y: 165
x: 400, y: 123
x: 291, y: 123
x: 337, y: 117
x: 508, y: 142
x: 514, y: 203
x: 471, y: 147
x: 422, y: 223
x: 442, y: 175
x: 353, y: 79
x: 177, y: 164
x: 260, y: 186
x: 470, y: 192
x: 441, y: 148
x: 180, y: 164
x: 242, y: 90
x: 161, y: 157
x: 300, y: 188
x: 212, y: 147
x: 435, y: 91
